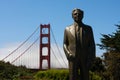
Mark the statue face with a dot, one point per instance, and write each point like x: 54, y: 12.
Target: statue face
x: 77, y: 16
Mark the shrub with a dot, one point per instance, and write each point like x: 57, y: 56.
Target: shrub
x: 59, y: 75
x: 52, y: 75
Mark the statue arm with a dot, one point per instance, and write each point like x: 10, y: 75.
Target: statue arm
x: 92, y: 49
x: 65, y: 44
x: 92, y: 45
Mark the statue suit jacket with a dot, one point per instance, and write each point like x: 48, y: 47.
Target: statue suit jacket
x: 87, y: 52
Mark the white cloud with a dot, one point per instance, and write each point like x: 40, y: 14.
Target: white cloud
x: 31, y: 58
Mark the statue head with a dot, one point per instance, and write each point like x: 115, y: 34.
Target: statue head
x: 77, y: 15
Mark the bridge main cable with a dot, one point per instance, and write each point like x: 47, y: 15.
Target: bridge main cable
x: 58, y: 47
x: 21, y: 44
x: 25, y: 50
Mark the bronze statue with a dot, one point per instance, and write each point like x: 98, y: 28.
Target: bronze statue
x: 79, y: 47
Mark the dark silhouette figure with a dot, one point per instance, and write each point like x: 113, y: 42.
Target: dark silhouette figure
x: 79, y: 47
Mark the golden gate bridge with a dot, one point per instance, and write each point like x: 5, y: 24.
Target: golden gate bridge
x: 37, y: 51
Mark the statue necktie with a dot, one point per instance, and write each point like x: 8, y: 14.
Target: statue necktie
x: 79, y: 35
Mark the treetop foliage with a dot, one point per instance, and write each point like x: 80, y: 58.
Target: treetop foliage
x: 111, y: 42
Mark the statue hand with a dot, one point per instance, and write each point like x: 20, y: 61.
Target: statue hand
x: 71, y: 57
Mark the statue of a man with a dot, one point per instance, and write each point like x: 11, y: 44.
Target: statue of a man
x: 79, y: 47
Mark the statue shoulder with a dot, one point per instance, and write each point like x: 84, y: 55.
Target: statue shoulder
x: 68, y: 27
x: 88, y: 27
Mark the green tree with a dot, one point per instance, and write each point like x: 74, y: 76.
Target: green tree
x: 111, y: 43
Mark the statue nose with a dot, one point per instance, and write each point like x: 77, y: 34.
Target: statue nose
x: 77, y: 14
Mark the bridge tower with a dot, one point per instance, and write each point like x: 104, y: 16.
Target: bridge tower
x: 44, y: 45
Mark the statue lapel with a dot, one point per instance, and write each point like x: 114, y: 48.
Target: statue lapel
x: 72, y: 30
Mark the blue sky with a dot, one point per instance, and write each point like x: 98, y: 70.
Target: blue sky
x: 19, y: 18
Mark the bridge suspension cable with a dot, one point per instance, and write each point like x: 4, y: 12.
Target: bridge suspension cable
x: 25, y: 50
x: 21, y: 44
x: 56, y: 57
x: 58, y: 47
